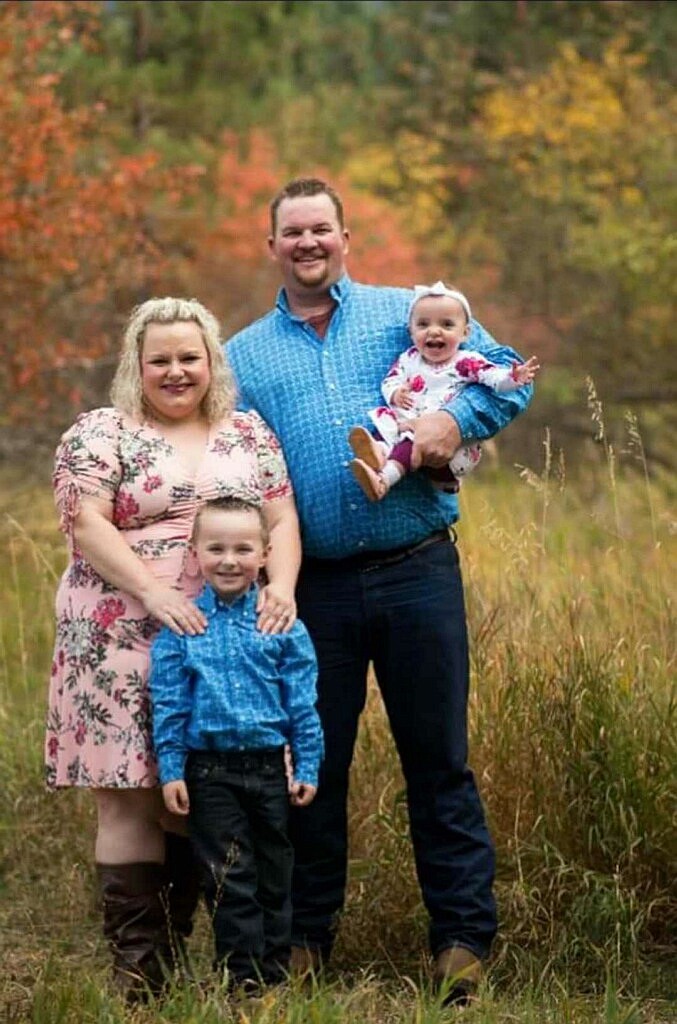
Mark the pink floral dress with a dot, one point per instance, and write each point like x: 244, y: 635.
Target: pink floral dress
x: 98, y: 727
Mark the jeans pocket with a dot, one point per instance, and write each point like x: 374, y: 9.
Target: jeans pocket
x: 272, y: 773
x: 199, y: 772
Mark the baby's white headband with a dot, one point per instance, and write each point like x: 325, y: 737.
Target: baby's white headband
x: 439, y: 288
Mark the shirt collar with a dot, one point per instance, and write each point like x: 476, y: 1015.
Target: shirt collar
x: 338, y: 292
x: 209, y: 602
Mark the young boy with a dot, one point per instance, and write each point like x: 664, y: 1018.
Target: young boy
x: 225, y: 704
x: 424, y: 378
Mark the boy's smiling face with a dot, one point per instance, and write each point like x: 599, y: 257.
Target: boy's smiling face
x: 230, y: 550
x: 438, y: 324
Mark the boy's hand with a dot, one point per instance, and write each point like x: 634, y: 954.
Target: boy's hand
x: 302, y: 793
x: 175, y: 795
x: 401, y: 397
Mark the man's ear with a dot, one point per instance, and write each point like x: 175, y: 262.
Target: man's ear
x: 346, y: 241
x: 271, y: 247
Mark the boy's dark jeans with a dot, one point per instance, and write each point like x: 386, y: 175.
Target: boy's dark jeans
x: 238, y: 825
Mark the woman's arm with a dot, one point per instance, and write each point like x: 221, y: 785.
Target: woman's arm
x: 277, y: 605
x: 108, y: 553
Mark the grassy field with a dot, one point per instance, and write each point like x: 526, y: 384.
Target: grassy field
x: 571, y: 608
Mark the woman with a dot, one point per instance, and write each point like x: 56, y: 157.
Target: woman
x: 128, y: 481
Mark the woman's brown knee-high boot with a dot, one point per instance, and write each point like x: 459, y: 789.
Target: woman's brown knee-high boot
x: 182, y: 888
x: 135, y: 924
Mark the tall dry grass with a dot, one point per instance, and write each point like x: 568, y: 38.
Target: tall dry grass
x: 571, y: 609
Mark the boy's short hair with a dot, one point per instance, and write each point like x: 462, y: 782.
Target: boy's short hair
x: 233, y: 503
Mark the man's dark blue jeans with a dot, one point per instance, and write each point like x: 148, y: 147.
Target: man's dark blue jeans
x: 239, y: 807
x: 405, y: 613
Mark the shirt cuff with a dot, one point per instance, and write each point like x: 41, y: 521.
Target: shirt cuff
x: 172, y: 768
x: 306, y: 773
x: 463, y: 413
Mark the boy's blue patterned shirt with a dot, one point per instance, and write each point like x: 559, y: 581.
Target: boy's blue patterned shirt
x: 234, y: 688
x: 311, y: 391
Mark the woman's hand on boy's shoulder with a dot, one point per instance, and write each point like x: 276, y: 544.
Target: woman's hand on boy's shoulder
x: 276, y: 610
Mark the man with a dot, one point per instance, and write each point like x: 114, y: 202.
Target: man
x: 380, y: 582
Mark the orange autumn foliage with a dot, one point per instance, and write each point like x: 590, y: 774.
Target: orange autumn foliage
x: 76, y: 227
x: 86, y: 231
x: 231, y: 262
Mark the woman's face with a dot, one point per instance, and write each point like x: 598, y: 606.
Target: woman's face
x: 175, y: 372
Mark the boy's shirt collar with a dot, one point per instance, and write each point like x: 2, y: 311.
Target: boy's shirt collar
x: 210, y: 603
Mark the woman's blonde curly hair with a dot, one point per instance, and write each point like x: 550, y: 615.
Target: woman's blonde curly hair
x: 127, y: 390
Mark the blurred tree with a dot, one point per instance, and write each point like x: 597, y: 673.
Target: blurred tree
x: 540, y: 174
x: 410, y: 102
x: 580, y: 193
x: 181, y: 72
x: 86, y: 230
x: 224, y: 257
x: 77, y: 231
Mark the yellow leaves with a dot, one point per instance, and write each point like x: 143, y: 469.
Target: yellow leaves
x: 583, y: 132
x: 414, y: 167
x: 374, y: 163
x: 572, y: 104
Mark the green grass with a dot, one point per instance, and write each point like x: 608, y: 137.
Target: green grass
x: 571, y: 610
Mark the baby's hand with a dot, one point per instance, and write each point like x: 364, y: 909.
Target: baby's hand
x: 175, y: 796
x: 301, y: 794
x: 401, y: 398
x: 524, y: 373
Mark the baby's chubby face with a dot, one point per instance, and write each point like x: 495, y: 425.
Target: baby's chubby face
x: 438, y: 324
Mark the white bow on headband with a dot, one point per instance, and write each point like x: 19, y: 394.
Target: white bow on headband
x: 439, y: 288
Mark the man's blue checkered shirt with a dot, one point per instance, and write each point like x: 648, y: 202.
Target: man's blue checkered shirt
x: 311, y: 391
x: 234, y: 688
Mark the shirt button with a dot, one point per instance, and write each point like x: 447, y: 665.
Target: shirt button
x: 353, y: 507
x: 360, y: 543
x: 346, y: 463
x: 332, y: 387
x: 339, y: 423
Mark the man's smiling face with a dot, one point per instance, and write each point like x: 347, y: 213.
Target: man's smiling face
x: 309, y: 244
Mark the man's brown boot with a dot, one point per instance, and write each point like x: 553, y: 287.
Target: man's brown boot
x: 457, y: 974
x: 304, y: 962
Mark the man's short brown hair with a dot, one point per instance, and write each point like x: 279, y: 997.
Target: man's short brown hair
x: 305, y: 187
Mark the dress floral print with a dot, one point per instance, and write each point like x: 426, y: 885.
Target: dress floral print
x: 98, y: 728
